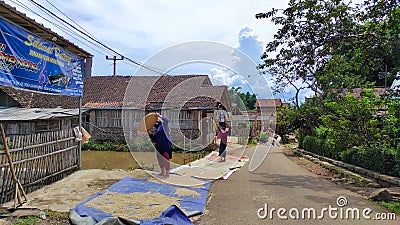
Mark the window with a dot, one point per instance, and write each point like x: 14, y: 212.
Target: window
x: 173, y: 117
x: 101, y: 119
x: 109, y: 118
x: 188, y: 120
x: 116, y: 118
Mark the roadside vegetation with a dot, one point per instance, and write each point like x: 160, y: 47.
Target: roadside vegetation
x: 105, y: 146
x: 392, y: 206
x: 342, y: 62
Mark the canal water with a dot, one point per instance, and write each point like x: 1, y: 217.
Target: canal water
x: 119, y: 160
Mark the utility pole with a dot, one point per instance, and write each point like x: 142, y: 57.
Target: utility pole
x: 114, y: 58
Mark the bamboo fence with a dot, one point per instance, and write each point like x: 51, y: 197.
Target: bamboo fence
x: 38, y: 159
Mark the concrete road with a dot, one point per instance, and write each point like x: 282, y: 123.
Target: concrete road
x: 279, y: 191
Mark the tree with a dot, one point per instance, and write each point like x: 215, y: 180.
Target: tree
x: 245, y: 101
x: 352, y: 121
x: 326, y: 45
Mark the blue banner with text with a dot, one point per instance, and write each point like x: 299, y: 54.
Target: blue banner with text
x: 30, y: 62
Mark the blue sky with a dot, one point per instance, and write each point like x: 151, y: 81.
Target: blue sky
x: 141, y: 29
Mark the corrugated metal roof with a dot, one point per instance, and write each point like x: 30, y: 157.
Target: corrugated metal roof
x: 23, y: 114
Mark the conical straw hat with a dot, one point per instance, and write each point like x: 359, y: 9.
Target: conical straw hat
x: 147, y: 122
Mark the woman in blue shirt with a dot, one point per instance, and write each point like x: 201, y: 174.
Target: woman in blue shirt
x: 159, y: 134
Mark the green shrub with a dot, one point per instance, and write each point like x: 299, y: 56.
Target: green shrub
x: 252, y: 142
x: 29, y: 220
x: 330, y: 149
x: 380, y: 160
x: 300, y: 136
x: 393, y: 206
x: 323, y: 147
x: 10, y: 146
x: 263, y: 138
x: 308, y: 143
x: 178, y: 147
x: 377, y: 158
x: 105, y: 146
x: 91, y: 145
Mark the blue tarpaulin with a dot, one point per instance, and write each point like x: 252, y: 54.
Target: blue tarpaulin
x: 129, y: 185
x: 172, y: 215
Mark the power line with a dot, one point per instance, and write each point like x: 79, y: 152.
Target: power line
x: 114, y: 59
x: 50, y: 13
x: 93, y: 39
x: 65, y: 29
x: 68, y: 17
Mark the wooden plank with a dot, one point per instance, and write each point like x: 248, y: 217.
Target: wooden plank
x: 44, y: 155
x: 17, y: 184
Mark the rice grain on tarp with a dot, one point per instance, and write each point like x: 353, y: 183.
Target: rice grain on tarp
x: 186, y: 192
x: 136, y: 205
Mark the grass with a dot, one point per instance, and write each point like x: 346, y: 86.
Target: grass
x: 52, y: 217
x: 60, y: 216
x: 291, y: 145
x: 29, y: 220
x: 393, y: 206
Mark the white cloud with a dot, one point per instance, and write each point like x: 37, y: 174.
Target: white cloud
x: 251, y: 44
x: 222, y: 76
x: 244, y: 60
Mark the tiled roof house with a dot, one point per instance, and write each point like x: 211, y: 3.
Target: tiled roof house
x: 184, y: 99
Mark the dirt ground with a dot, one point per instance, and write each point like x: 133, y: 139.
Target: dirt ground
x: 67, y: 193
x: 347, y: 183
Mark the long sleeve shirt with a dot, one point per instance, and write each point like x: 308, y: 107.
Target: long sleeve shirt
x: 223, y: 134
x: 162, y: 138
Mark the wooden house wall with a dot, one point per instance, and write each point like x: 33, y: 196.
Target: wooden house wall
x: 267, y: 111
x: 38, y: 126
x: 107, y: 124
